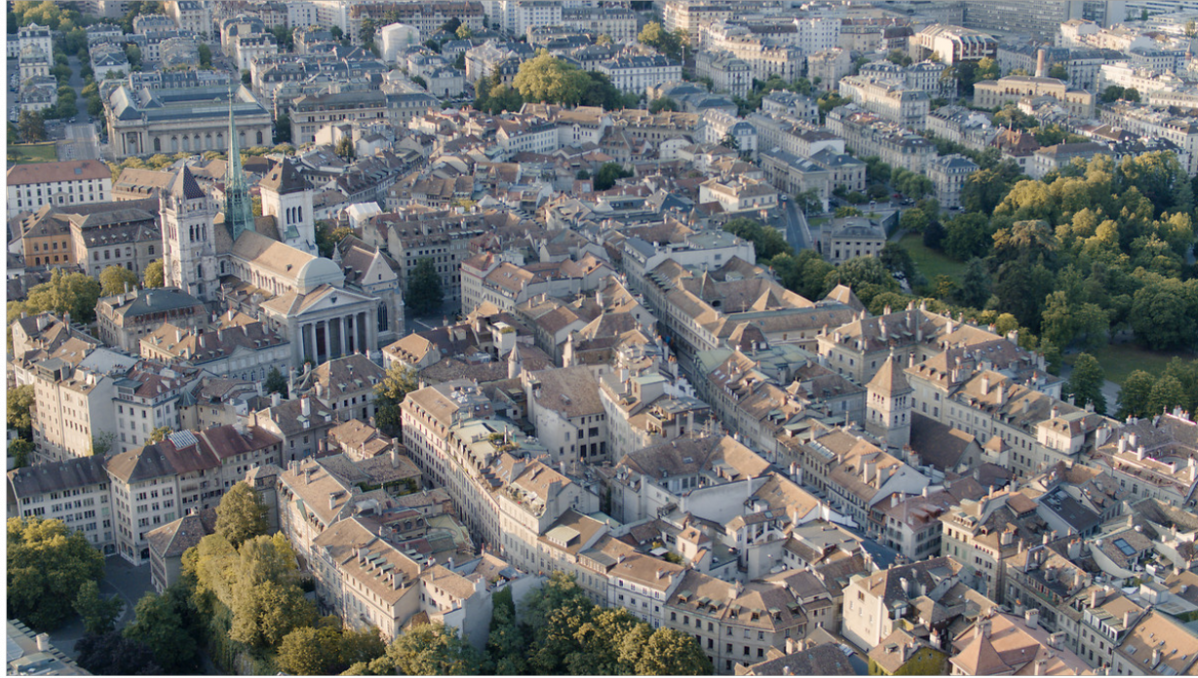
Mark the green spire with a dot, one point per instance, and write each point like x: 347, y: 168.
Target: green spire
x: 239, y: 214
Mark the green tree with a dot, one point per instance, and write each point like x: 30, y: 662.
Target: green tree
x: 21, y: 401
x: 111, y: 654
x: 507, y: 644
x: 161, y: 625
x: 99, y: 613
x: 768, y: 241
x: 153, y: 275
x: 114, y: 279
x: 670, y: 652
x: 546, y: 78
x: 73, y: 293
x: 663, y: 104
x: 21, y: 450
x: 1111, y: 93
x: 308, y: 651
x: 434, y: 650
x: 246, y: 77
x: 390, y: 393
x: 657, y: 37
x: 420, y: 81
x: 47, y: 564
x: 31, y: 126
x: 1021, y: 288
x: 345, y: 148
x: 913, y: 220
x: 1167, y: 393
x: 275, y: 382
x: 829, y: 101
x: 1086, y: 382
x: 241, y: 514
x: 205, y: 55
x: 845, y: 211
x: 464, y: 32
x: 159, y: 434
x: 1164, y: 313
x: 424, y: 293
x: 283, y: 129
x: 1135, y: 396
x: 266, y: 603
x: 102, y: 443
x: 1059, y: 72
x: 607, y: 175
x: 866, y: 276
x: 933, y: 235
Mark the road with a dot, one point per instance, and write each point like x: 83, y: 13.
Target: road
x: 81, y: 143
x: 798, y: 234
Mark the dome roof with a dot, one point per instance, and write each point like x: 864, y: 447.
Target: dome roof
x: 319, y: 271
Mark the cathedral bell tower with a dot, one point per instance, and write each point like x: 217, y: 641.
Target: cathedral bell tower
x: 239, y: 213
x: 188, y: 248
x: 889, y: 399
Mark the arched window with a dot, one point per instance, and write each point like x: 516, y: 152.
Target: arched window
x: 186, y: 143
x: 383, y: 324
x: 157, y: 145
x: 259, y: 137
x: 174, y: 144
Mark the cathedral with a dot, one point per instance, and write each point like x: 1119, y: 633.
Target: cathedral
x: 267, y: 266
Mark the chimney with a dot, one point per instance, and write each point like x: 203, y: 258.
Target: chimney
x: 903, y: 582
x: 332, y: 500
x: 1041, y: 67
x: 306, y: 406
x: 275, y: 399
x: 985, y: 384
x: 1095, y: 598
x: 1156, y: 656
x: 394, y: 458
x: 1032, y: 617
x: 1040, y: 667
x: 43, y: 642
x: 1126, y: 619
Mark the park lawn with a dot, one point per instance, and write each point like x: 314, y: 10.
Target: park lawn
x: 930, y: 262
x: 1120, y: 360
x: 26, y: 153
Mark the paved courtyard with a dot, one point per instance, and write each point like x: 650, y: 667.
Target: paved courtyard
x: 120, y: 578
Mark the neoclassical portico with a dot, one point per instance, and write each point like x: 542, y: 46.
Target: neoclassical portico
x: 323, y: 340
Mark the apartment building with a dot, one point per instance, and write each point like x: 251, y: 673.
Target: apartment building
x: 948, y: 174
x: 869, y: 134
x: 347, y: 384
x: 615, y: 22
x: 893, y: 101
x: 311, y: 112
x: 792, y: 174
x: 962, y: 126
x: 147, y: 398
x: 71, y: 182
x: 236, y: 345
x: 565, y: 408
x: 876, y: 604
x: 442, y: 237
x: 952, y: 44
x: 75, y: 491
x: 637, y: 74
x: 828, y: 67
x: 1147, y: 121
x: 126, y: 318
x: 1001, y: 644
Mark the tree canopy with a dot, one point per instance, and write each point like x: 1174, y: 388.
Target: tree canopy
x: 48, y: 563
x: 241, y: 514
x: 424, y: 293
x: 114, y: 279
x: 390, y: 393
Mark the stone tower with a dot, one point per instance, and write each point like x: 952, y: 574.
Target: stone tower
x: 287, y: 196
x: 188, y: 247
x: 239, y: 212
x: 888, y: 405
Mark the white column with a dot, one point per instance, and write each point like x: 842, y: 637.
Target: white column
x: 343, y: 326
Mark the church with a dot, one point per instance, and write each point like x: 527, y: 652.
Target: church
x: 267, y: 266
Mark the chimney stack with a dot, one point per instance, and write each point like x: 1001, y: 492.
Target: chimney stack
x: 1041, y: 67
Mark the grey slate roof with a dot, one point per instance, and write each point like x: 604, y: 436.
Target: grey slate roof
x: 57, y: 476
